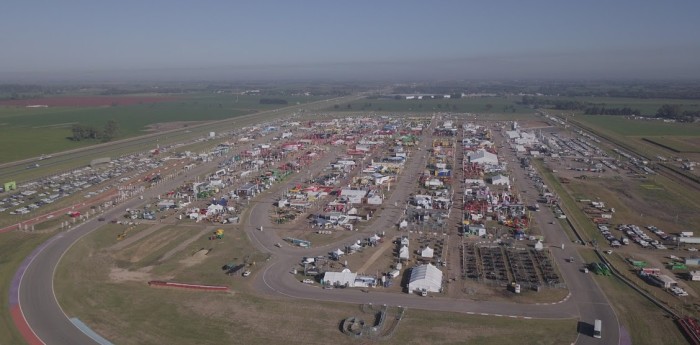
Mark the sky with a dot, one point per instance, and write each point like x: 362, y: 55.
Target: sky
x: 355, y: 40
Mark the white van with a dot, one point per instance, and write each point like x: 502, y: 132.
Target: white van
x: 597, y: 329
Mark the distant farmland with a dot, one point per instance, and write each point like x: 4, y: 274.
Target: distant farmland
x: 507, y: 105
x: 85, y: 101
x: 29, y: 132
x: 637, y: 128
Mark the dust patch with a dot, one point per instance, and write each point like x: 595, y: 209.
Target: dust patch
x: 183, y: 245
x: 196, y: 258
x: 119, y: 275
x: 131, y: 239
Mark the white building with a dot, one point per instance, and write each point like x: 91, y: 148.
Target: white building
x: 427, y: 252
x: 482, y: 156
x: 500, y: 180
x: 354, y: 195
x: 433, y: 183
x: 426, y: 277
x: 375, y: 200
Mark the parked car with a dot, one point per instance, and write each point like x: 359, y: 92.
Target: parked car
x: 307, y: 281
x: 246, y: 273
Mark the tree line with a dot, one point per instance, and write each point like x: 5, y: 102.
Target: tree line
x: 587, y: 107
x: 627, y: 111
x: 273, y: 101
x: 676, y: 112
x: 87, y: 132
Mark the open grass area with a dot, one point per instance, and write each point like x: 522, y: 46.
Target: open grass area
x: 14, y: 247
x: 505, y: 105
x: 422, y: 327
x: 647, y: 106
x: 34, y: 131
x: 677, y: 144
x: 129, y: 312
x: 620, y: 125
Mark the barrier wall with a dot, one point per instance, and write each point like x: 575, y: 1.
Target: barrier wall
x: 158, y: 283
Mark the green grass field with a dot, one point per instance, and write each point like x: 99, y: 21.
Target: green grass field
x: 677, y: 144
x: 34, y: 131
x: 646, y: 106
x: 627, y: 127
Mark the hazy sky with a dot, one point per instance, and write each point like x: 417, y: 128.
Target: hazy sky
x: 168, y: 39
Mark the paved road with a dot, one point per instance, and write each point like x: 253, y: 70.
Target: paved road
x: 35, y: 290
x: 47, y: 320
x: 587, y: 296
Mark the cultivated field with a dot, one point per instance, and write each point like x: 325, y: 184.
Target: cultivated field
x: 621, y: 125
x: 651, y: 138
x: 648, y: 107
x: 85, y: 101
x: 31, y: 132
x: 495, y: 105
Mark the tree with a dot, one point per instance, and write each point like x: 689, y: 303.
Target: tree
x: 78, y: 133
x: 669, y: 111
x: 81, y: 132
x: 111, y: 130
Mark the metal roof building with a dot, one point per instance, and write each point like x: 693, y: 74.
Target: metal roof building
x: 426, y: 277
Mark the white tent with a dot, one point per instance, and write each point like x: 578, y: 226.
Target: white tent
x: 403, y: 253
x: 343, y: 278
x: 426, y: 277
x: 427, y: 252
x: 482, y: 156
x: 539, y: 246
x: 500, y: 180
x: 214, y: 209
